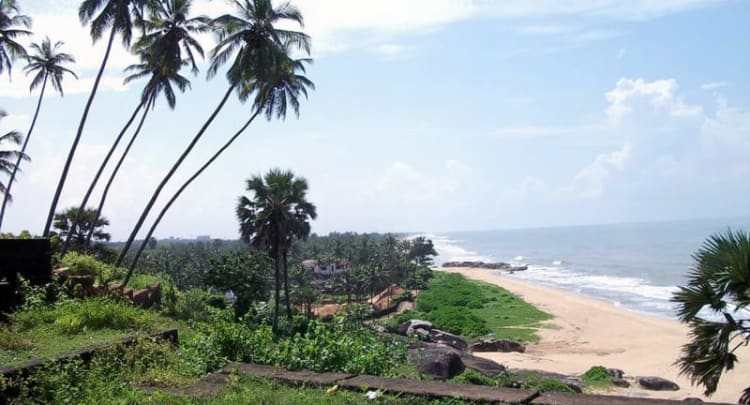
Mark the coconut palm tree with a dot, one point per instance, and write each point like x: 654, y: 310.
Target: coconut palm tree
x: 271, y: 98
x: 47, y: 64
x: 277, y: 212
x: 117, y: 16
x: 256, y: 45
x: 718, y: 284
x: 75, y: 224
x: 8, y: 157
x: 168, y: 34
x: 10, y: 29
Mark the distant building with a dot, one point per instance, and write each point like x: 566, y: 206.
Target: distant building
x: 203, y: 238
x: 323, y: 269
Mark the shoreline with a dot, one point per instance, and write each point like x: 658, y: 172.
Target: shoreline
x: 588, y: 331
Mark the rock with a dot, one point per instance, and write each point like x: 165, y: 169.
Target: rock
x: 619, y: 382
x: 481, y: 365
x: 379, y: 328
x: 657, y: 384
x: 615, y: 373
x: 483, y: 265
x: 439, y: 336
x: 437, y: 360
x: 497, y: 345
x: 408, y: 327
x: 693, y: 400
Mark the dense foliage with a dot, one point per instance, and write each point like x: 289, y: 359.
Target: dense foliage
x: 714, y: 304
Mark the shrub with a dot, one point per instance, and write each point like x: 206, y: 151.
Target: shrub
x: 475, y: 378
x: 534, y: 381
x: 86, y: 265
x: 11, y: 340
x: 101, y: 313
x: 192, y: 305
x: 597, y: 377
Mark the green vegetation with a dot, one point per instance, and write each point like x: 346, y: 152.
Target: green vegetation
x: 720, y: 284
x: 473, y: 309
x: 597, y: 378
x: 525, y: 380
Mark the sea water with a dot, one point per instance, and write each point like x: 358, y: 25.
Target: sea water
x: 637, y: 266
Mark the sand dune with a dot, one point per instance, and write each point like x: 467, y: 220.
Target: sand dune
x: 587, y: 332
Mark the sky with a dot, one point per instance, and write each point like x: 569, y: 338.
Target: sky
x: 429, y: 116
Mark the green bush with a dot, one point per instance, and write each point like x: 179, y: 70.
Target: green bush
x: 474, y: 378
x: 532, y: 381
x: 597, y: 377
x: 87, y: 265
x: 102, y: 313
x: 193, y: 305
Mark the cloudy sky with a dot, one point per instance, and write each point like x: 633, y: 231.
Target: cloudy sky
x: 433, y: 115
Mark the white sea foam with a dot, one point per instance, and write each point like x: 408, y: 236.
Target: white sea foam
x: 450, y: 250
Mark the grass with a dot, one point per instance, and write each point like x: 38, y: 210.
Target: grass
x: 50, y: 330
x: 473, y: 309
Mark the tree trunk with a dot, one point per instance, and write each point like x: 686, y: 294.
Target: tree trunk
x: 286, y: 287
x: 179, y: 192
x: 275, y: 325
x: 6, y: 197
x: 71, y: 153
x: 99, y: 172
x: 171, y: 172
x: 116, y: 170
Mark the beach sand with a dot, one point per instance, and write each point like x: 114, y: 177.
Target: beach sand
x: 587, y: 332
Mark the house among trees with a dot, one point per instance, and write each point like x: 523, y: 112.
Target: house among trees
x: 332, y: 268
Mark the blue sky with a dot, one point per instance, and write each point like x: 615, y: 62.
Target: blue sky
x: 434, y: 115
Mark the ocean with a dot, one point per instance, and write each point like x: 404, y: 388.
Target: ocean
x: 636, y: 266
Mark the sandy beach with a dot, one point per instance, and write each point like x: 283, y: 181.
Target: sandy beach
x: 586, y: 332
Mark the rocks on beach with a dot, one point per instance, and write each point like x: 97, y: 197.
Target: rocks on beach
x: 657, y: 384
x: 490, y: 266
x: 497, y: 345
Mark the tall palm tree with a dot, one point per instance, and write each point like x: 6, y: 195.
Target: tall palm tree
x: 74, y: 223
x: 718, y: 284
x: 119, y: 16
x: 271, y: 98
x: 10, y: 29
x: 47, y: 64
x: 277, y: 212
x: 256, y: 45
x: 168, y: 31
x: 8, y: 157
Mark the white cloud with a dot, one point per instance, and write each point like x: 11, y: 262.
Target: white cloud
x: 14, y: 122
x: 545, y: 131
x: 20, y: 88
x: 402, y: 183
x: 589, y: 182
x: 390, y: 51
x: 660, y: 94
x: 714, y: 85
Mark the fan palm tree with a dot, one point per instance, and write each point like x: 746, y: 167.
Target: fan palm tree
x: 271, y: 98
x: 256, y: 45
x: 119, y: 16
x: 167, y: 34
x: 719, y: 284
x: 277, y: 212
x: 8, y: 157
x: 47, y: 64
x: 10, y: 29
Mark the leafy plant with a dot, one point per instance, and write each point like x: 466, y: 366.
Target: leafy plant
x: 597, y: 377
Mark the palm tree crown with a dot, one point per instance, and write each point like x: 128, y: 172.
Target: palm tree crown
x: 719, y: 284
x: 47, y: 63
x: 10, y: 29
x: 118, y: 15
x: 8, y: 157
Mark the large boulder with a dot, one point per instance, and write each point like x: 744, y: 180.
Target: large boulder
x: 481, y: 365
x: 409, y: 327
x: 657, y: 384
x: 437, y: 360
x: 497, y: 345
x: 615, y: 373
x: 439, y: 336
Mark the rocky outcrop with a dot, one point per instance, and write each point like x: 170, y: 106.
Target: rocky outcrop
x: 437, y: 360
x: 657, y: 384
x: 482, y: 265
x: 409, y: 327
x: 486, y: 367
x: 449, y: 339
x: 497, y: 345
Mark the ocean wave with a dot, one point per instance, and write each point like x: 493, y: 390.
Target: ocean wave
x: 450, y: 250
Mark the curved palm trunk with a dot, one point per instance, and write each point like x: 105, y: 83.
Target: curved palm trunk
x: 101, y: 170
x: 69, y: 160
x: 179, y: 192
x: 166, y: 178
x: 116, y: 170
x: 6, y: 197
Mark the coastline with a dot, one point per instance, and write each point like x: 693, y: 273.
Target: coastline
x: 586, y: 332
